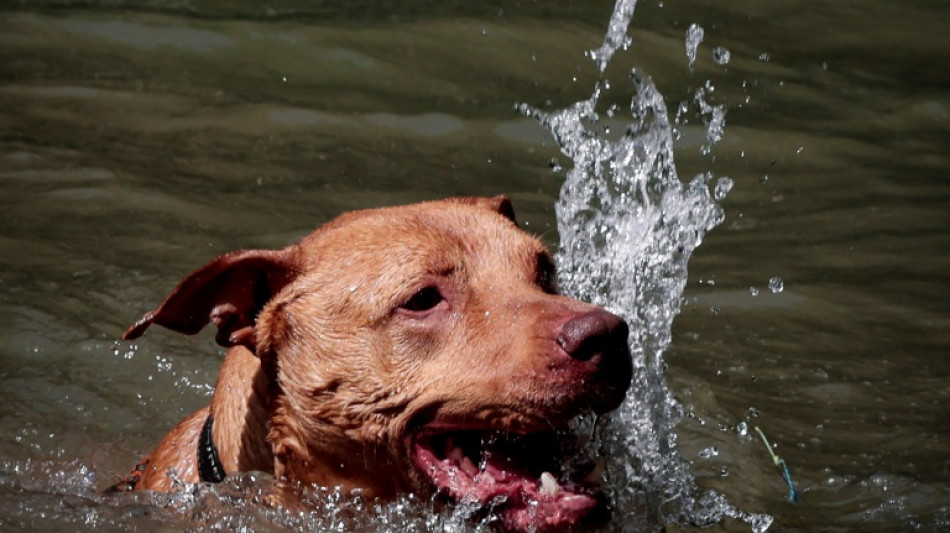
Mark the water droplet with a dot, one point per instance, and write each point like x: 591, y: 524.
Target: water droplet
x: 723, y: 186
x: 681, y: 110
x: 880, y: 480
x: 724, y: 471
x: 764, y: 57
x: 742, y: 428
x: 694, y: 36
x: 776, y: 285
x: 753, y: 291
x: 721, y: 55
x: 834, y: 481
x: 706, y: 453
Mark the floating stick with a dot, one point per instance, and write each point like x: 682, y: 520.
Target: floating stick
x: 792, y: 494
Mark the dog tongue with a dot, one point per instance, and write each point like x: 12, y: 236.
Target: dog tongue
x: 523, y: 501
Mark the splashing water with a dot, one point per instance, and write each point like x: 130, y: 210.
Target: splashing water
x: 628, y: 227
x: 616, y: 37
x: 721, y: 55
x: 694, y: 36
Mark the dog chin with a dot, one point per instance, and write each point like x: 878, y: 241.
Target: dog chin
x: 536, y: 481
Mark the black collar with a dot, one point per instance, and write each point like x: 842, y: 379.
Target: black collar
x: 210, y: 468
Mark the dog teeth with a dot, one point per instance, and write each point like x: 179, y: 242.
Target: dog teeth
x: 455, y: 454
x: 549, y: 485
x: 468, y: 466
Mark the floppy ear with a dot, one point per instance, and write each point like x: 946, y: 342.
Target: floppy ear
x: 499, y: 204
x: 229, y: 292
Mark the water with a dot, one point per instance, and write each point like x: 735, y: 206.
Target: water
x: 140, y: 140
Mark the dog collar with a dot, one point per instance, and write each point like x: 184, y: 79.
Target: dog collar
x: 210, y: 469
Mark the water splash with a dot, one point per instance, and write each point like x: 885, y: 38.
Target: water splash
x: 714, y: 116
x: 694, y: 36
x: 628, y: 226
x: 721, y: 55
x: 616, y: 37
x: 776, y: 285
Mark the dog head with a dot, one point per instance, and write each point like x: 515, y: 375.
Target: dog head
x: 420, y: 348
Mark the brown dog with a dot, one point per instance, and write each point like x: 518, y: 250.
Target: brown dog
x: 421, y: 348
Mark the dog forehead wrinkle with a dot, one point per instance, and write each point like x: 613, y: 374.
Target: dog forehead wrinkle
x: 510, y: 256
x: 431, y: 240
x: 375, y: 283
x: 407, y: 227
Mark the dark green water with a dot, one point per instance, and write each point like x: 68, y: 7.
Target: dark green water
x: 140, y: 139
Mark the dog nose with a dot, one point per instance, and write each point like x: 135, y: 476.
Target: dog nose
x: 593, y: 334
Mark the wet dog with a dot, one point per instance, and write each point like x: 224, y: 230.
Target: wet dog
x: 420, y: 348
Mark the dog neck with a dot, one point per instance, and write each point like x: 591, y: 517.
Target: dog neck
x: 320, y: 454
x: 240, y: 409
x: 247, y: 406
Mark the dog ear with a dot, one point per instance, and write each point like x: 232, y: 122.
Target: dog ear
x: 229, y: 292
x: 499, y: 204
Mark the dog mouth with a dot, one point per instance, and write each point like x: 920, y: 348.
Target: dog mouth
x: 537, y: 481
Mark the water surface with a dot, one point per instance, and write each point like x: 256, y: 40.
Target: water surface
x: 142, y: 139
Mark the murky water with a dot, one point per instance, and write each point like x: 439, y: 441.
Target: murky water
x: 141, y: 139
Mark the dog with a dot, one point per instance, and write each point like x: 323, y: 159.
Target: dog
x: 414, y: 349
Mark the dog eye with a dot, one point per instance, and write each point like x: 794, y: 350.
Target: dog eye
x: 423, y: 300
x: 546, y: 274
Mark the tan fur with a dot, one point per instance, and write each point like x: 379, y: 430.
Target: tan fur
x: 327, y: 376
